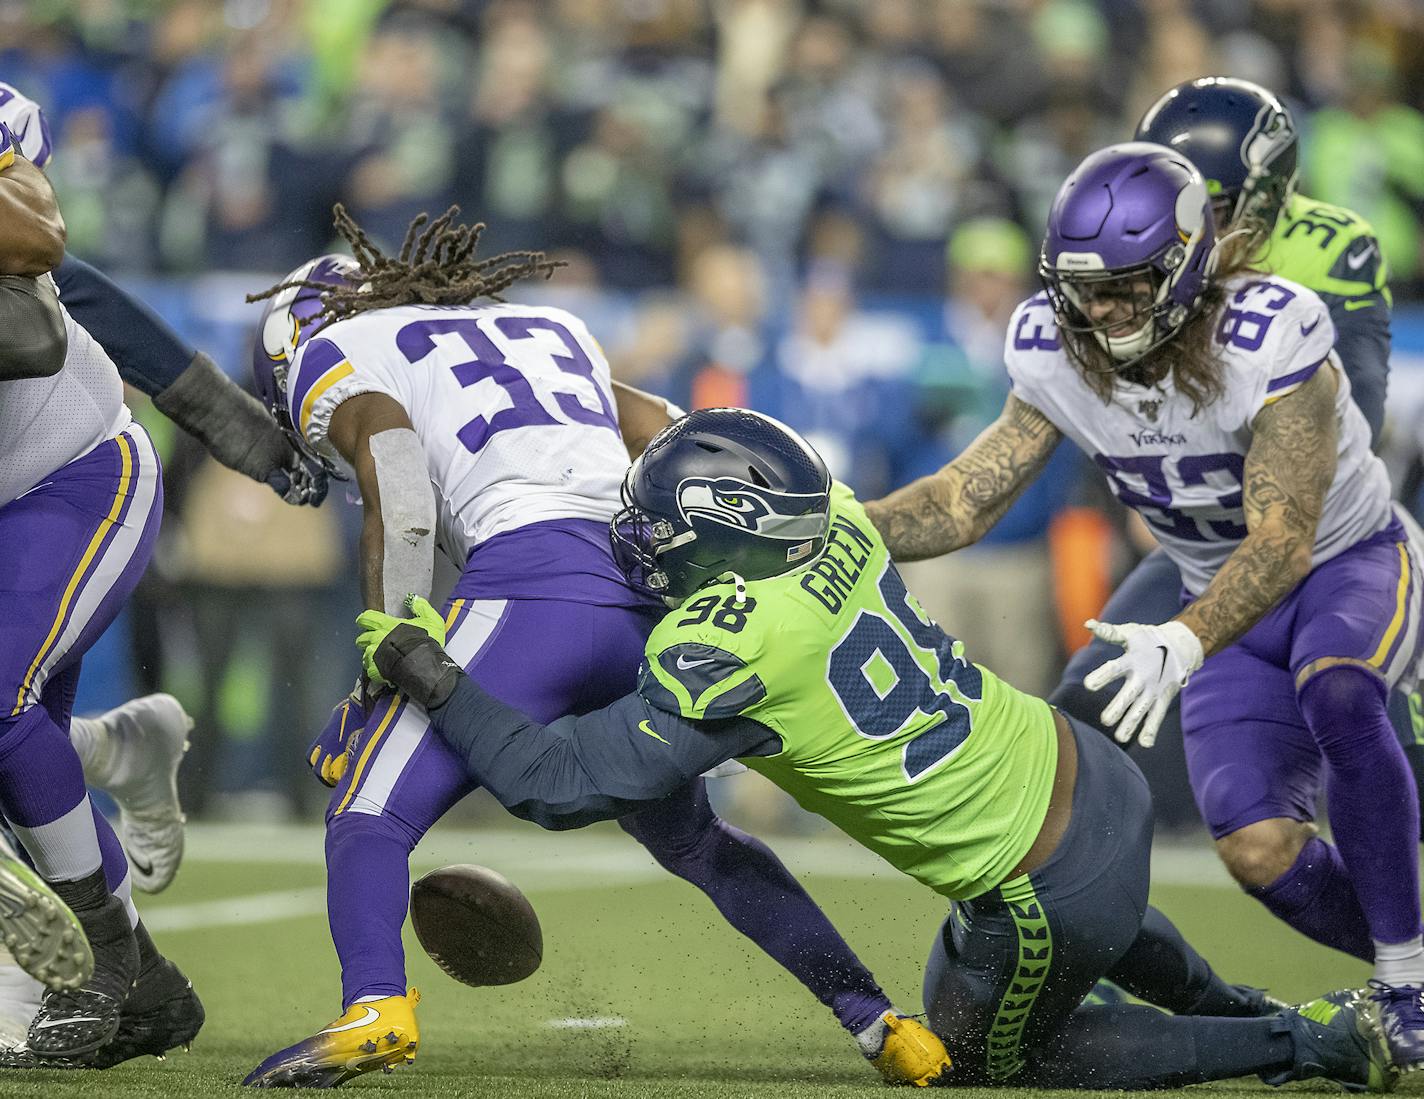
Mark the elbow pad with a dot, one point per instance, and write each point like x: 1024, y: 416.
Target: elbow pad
x: 33, y: 339
x: 407, y: 514
x: 227, y: 420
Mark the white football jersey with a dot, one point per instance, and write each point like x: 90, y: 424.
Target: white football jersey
x: 48, y: 422
x: 513, y: 405
x: 26, y: 122
x: 1183, y: 472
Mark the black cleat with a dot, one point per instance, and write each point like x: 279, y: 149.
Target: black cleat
x: 162, y: 1013
x: 21, y: 1058
x: 72, y: 1023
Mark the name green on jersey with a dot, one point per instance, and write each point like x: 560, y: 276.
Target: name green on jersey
x: 1328, y: 249
x: 887, y: 730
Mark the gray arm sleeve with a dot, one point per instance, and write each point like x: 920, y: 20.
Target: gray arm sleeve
x: 407, y: 515
x: 33, y: 340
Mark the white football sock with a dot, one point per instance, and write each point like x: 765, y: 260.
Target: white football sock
x: 1400, y: 963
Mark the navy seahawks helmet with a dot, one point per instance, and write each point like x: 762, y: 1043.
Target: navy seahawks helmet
x: 1241, y: 138
x: 720, y: 491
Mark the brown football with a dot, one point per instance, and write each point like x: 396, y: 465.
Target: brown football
x: 476, y: 925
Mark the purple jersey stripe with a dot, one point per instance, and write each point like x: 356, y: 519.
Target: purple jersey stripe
x: 319, y: 356
x: 1293, y: 379
x: 41, y: 157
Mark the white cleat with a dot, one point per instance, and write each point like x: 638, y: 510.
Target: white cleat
x: 148, y: 737
x: 43, y: 936
x: 19, y: 1002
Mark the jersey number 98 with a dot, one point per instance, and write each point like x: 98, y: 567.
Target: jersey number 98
x: 883, y: 686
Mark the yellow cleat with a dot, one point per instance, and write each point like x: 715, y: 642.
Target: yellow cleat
x: 377, y: 1034
x: 911, y: 1053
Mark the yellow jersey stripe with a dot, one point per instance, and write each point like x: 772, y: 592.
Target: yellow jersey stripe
x: 1401, y: 593
x: 396, y: 706
x: 125, y: 476
x: 325, y: 382
x: 1274, y: 397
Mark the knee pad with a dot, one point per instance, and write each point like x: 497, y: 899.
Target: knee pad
x: 1340, y: 694
x: 364, y: 826
x: 1234, y: 795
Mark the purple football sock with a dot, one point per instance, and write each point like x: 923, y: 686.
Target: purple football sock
x: 41, y: 779
x: 1373, y: 806
x: 367, y: 892
x: 757, y: 895
x: 1316, y: 898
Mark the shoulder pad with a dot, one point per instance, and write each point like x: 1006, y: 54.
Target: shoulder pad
x: 1360, y: 263
x: 320, y: 365
x: 699, y: 681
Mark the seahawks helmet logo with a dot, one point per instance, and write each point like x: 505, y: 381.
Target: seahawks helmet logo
x: 756, y: 510
x: 1272, y: 132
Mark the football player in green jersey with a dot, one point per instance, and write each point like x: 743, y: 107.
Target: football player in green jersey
x: 793, y: 646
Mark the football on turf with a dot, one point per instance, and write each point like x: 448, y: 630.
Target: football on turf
x: 476, y: 925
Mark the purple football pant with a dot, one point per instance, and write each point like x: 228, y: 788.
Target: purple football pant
x: 550, y: 658
x: 75, y: 547
x: 1264, y: 727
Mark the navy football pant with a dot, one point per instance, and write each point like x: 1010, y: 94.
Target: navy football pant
x: 1008, y: 970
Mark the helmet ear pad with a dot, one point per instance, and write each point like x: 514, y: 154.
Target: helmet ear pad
x: 721, y: 491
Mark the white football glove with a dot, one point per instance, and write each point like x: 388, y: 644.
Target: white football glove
x: 1156, y: 663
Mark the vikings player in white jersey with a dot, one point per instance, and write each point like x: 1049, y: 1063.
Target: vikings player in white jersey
x: 80, y: 500
x: 133, y: 752
x: 1210, y: 397
x: 492, y: 432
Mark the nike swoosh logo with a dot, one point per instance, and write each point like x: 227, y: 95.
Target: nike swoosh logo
x: 65, y: 1021
x: 20, y: 135
x: 1305, y: 331
x: 141, y: 867
x: 683, y: 664
x: 1357, y: 260
x: 1351, y: 306
x: 647, y: 727
x: 371, y: 1016
x: 1163, y: 650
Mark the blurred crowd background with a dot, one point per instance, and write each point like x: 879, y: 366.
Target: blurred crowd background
x: 825, y: 209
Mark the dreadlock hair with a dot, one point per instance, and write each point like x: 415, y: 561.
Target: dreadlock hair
x: 436, y: 266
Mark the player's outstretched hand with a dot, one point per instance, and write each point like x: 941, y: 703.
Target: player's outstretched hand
x: 406, y: 653
x: 1156, y: 663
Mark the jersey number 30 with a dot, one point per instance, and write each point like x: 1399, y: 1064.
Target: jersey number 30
x: 883, y: 686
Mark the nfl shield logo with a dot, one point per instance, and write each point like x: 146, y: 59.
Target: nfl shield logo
x: 1149, y: 409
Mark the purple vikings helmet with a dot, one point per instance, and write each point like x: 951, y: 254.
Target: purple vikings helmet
x: 285, y: 326
x: 1128, y: 251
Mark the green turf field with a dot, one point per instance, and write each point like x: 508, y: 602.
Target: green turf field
x: 642, y: 992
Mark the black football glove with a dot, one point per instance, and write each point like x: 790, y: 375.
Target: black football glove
x: 406, y: 653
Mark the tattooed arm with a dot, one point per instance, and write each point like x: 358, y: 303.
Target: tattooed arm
x: 956, y: 506
x: 1289, y: 468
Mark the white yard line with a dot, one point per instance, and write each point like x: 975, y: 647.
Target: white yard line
x: 537, y: 861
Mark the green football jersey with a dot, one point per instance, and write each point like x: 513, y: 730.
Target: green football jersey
x: 887, y: 730
x: 1327, y: 249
